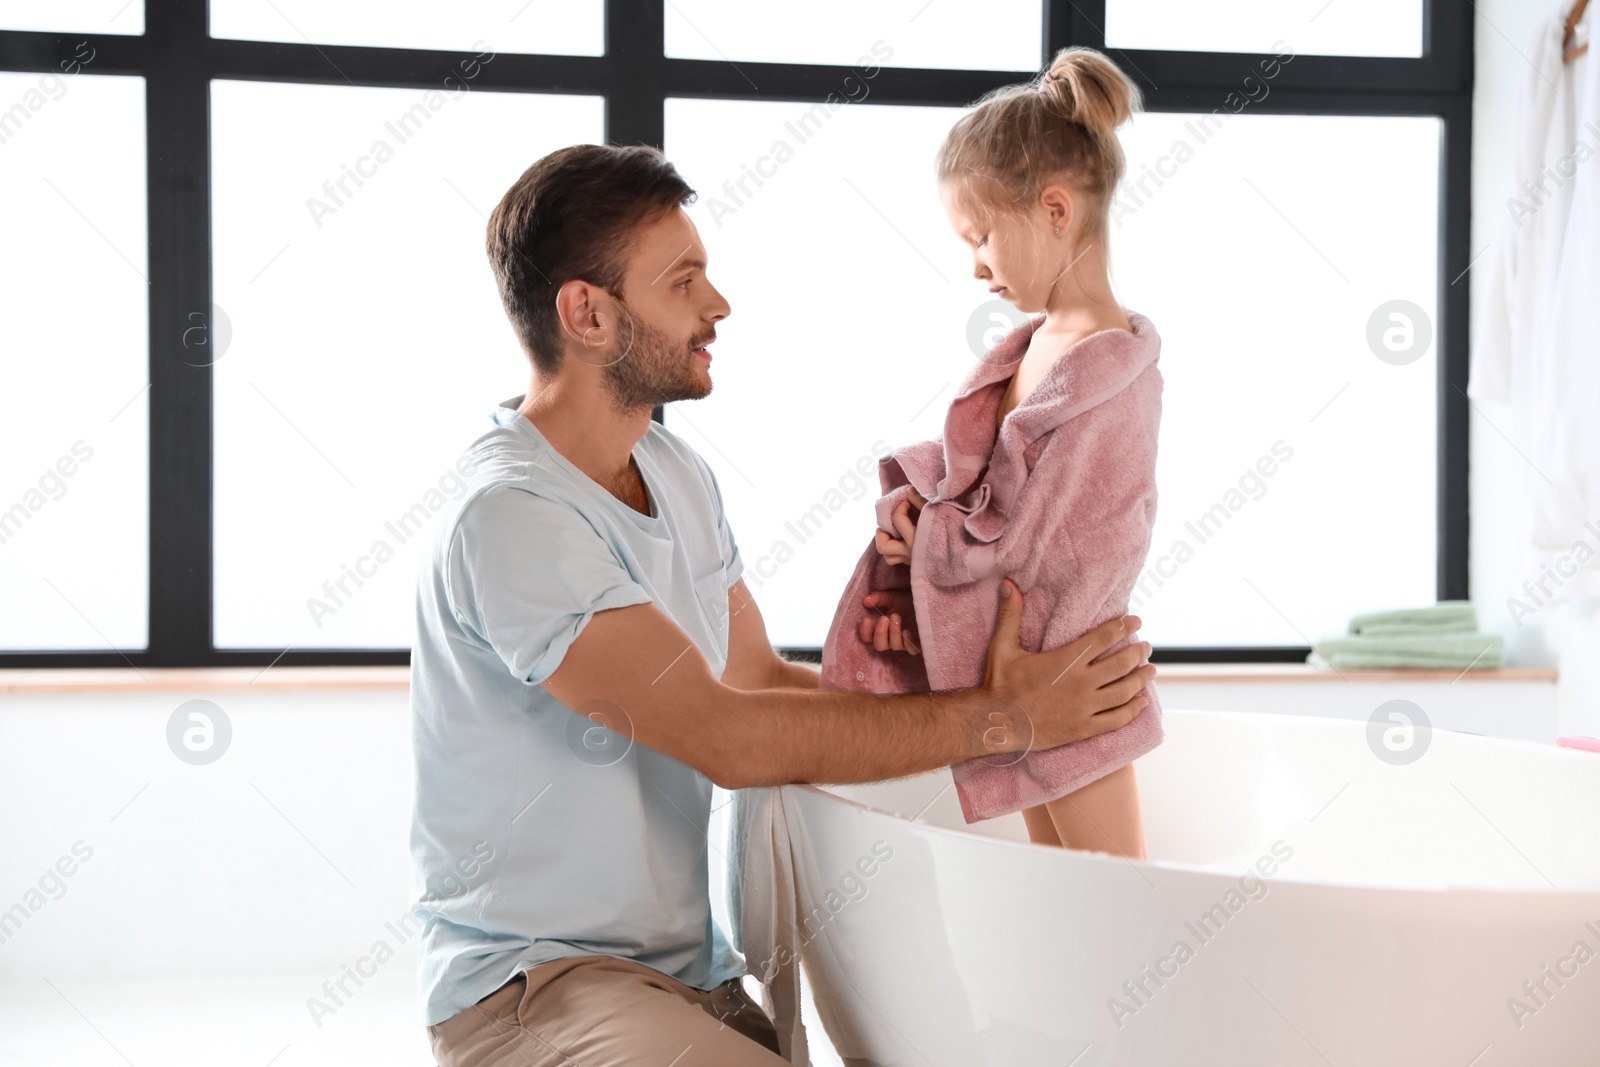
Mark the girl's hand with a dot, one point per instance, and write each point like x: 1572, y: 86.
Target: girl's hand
x: 896, y: 551
x: 891, y: 622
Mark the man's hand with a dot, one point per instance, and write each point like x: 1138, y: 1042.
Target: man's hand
x: 893, y: 622
x: 1044, y: 699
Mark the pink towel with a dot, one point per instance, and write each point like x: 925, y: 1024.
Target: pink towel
x: 1061, y: 501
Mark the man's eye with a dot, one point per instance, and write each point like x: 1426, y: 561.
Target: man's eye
x: 982, y: 241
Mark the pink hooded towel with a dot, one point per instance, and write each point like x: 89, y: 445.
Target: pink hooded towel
x: 1061, y: 500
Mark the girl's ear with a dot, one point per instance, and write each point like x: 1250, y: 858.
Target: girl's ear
x: 1057, y: 203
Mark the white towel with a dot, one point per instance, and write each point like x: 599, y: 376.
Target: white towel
x: 762, y: 899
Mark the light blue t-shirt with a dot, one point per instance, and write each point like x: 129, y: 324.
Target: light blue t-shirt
x: 537, y: 835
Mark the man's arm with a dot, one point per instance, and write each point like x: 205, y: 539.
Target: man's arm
x: 637, y: 660
x: 752, y: 661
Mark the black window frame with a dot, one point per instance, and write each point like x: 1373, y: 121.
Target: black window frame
x: 178, y: 60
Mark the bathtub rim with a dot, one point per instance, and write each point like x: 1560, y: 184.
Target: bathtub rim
x: 1074, y: 855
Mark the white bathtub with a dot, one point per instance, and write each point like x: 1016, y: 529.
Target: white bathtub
x: 1405, y: 909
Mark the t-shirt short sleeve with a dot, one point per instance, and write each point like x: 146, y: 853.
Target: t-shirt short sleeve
x: 732, y: 562
x: 526, y: 574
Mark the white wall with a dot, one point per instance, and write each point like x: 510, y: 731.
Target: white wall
x: 216, y: 900
x: 1565, y: 636
x: 287, y: 854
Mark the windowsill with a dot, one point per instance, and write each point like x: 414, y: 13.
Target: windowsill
x: 254, y: 679
x: 1305, y: 672
x: 200, y: 679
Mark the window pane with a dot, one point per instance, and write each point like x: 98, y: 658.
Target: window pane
x: 854, y: 313
x: 907, y: 33
x: 1305, y: 230
x: 550, y: 27
x: 1312, y: 27
x: 851, y: 301
x: 74, y: 329
x: 368, y: 345
x: 73, y: 16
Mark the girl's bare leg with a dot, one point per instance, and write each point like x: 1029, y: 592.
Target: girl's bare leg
x: 1041, y: 830
x: 1103, y: 816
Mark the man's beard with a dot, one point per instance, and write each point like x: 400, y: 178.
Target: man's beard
x: 652, y: 369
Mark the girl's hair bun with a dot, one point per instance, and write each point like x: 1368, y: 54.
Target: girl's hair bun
x: 1087, y: 88
x: 1060, y: 125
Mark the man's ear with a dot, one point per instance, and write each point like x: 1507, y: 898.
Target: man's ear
x: 591, y: 323
x: 581, y: 321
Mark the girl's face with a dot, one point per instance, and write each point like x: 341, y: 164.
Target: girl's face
x: 1016, y: 254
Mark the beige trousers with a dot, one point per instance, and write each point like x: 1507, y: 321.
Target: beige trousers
x: 604, y: 1011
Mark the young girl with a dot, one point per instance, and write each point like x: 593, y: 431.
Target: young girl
x: 1045, y: 472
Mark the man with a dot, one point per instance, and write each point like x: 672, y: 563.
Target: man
x: 588, y: 662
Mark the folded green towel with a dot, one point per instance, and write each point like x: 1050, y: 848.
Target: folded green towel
x: 1457, y: 650
x: 1405, y: 629
x: 1447, y: 616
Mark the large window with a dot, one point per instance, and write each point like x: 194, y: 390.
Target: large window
x: 366, y: 339
x: 74, y: 481
x: 248, y: 325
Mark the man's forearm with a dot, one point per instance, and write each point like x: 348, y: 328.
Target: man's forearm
x: 791, y: 675
x: 778, y: 736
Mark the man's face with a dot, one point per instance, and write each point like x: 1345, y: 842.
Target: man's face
x: 669, y: 315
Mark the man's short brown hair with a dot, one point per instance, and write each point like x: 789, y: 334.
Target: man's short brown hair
x: 569, y: 217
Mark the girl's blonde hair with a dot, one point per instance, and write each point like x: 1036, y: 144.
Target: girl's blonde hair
x: 1063, y: 123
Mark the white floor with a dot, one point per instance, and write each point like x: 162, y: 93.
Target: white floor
x: 251, y: 1022
x: 237, y: 1022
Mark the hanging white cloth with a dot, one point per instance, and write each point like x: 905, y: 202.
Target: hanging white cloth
x: 1537, y: 346
x: 1574, y: 330
x: 762, y: 901
x: 782, y: 914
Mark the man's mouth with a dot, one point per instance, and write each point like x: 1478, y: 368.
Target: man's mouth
x: 997, y: 289
x: 700, y: 349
